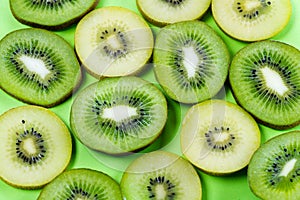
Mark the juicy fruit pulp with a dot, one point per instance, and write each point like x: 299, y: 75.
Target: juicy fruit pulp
x: 265, y: 80
x: 38, y: 67
x: 110, y: 45
x: 190, y: 61
x: 161, y: 175
x: 219, y: 137
x: 82, y: 184
x: 163, y: 12
x: 274, y: 170
x: 252, y: 20
x: 51, y: 14
x: 119, y: 115
x: 35, y: 146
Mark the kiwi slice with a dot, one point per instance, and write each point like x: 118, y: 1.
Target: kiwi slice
x: 82, y: 183
x: 51, y: 14
x: 190, y: 61
x: 113, y: 41
x: 38, y: 67
x: 118, y: 115
x: 274, y: 170
x: 163, y: 12
x: 251, y: 20
x: 161, y: 175
x: 219, y: 137
x: 265, y: 80
x: 35, y: 146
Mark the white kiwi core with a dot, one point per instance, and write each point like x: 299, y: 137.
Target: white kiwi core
x: 274, y: 81
x: 119, y: 113
x: 29, y: 146
x: 288, y: 167
x: 190, y: 60
x: 35, y: 65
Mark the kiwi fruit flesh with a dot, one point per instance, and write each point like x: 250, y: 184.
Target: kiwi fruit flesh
x: 118, y: 115
x: 190, y: 61
x: 265, y: 80
x: 35, y: 146
x: 51, y: 14
x: 274, y: 169
x: 81, y: 183
x: 251, y: 20
x: 164, y: 12
x: 113, y: 41
x: 38, y: 67
x: 219, y: 137
x: 161, y: 175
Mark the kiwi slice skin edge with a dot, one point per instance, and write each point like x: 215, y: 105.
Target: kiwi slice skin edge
x: 274, y: 169
x: 43, y: 22
x: 30, y: 156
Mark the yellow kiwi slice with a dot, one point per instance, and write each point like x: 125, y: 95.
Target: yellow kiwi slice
x: 163, y: 12
x: 35, y: 146
x: 113, y: 41
x: 251, y: 20
x: 219, y: 137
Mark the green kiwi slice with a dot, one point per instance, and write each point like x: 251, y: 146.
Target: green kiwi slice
x: 118, y: 115
x: 251, y: 20
x: 51, y: 14
x: 82, y: 183
x: 113, y: 41
x: 265, y: 80
x: 274, y: 170
x: 219, y: 137
x: 35, y: 146
x: 190, y: 61
x: 38, y: 67
x: 163, y: 12
x: 161, y: 175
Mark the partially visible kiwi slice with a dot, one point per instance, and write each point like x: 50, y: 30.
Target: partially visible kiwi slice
x: 252, y: 20
x: 274, y: 170
x: 190, y: 61
x: 163, y: 12
x: 38, y: 67
x: 51, y: 14
x: 219, y: 137
x: 161, y: 175
x: 82, y: 183
x: 113, y: 41
x: 265, y: 80
x: 118, y: 115
x: 35, y: 146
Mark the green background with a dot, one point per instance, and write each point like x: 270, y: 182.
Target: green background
x: 231, y: 187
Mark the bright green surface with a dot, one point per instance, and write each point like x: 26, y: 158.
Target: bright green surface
x: 232, y: 187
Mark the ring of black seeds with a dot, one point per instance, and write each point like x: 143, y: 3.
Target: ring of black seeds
x: 167, y: 184
x: 254, y: 13
x: 217, y: 145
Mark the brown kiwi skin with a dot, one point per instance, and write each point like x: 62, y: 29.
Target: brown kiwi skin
x: 56, y: 27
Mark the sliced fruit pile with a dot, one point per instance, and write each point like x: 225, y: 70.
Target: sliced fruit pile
x: 119, y: 112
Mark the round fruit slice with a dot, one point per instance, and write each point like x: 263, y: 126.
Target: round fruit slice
x: 35, y: 146
x: 219, y: 137
x: 51, y: 14
x: 113, y: 41
x: 118, y: 115
x: 265, y: 79
x: 251, y: 20
x: 82, y: 184
x: 274, y: 170
x: 161, y: 175
x: 163, y: 12
x: 38, y: 67
x: 190, y: 61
